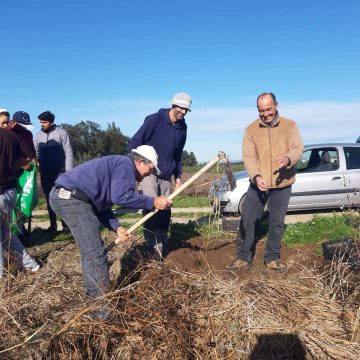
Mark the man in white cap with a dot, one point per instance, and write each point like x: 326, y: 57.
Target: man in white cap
x: 83, y: 198
x: 166, y: 132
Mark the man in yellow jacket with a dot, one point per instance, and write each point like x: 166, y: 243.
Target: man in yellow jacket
x: 272, y: 146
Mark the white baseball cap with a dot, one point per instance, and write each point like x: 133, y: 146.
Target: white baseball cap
x: 183, y: 100
x: 148, y: 152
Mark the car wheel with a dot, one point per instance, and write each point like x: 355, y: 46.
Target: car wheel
x: 242, y: 203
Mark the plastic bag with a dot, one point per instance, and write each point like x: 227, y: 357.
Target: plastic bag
x: 27, y: 196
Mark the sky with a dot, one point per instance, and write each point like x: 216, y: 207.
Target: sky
x: 119, y: 61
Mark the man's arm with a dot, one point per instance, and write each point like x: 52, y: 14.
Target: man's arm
x: 178, y: 161
x: 25, y: 155
x: 144, y: 134
x: 296, y: 146
x: 36, y: 146
x: 69, y: 156
x: 249, y: 156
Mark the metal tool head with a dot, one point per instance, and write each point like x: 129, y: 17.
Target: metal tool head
x: 227, y: 169
x: 221, y: 155
x: 229, y: 174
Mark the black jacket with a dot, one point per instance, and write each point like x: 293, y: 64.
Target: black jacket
x: 14, y: 153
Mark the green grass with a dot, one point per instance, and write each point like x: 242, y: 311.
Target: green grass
x: 181, y: 202
x: 320, y: 228
x: 41, y: 205
x: 43, y: 217
x: 215, y: 169
x: 190, y: 201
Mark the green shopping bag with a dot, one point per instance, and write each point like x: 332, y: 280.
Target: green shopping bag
x: 27, y: 196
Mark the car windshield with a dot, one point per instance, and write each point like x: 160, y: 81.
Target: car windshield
x: 240, y: 174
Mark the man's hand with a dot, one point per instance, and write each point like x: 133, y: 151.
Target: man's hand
x: 178, y: 183
x: 283, y: 161
x: 261, y: 184
x: 123, y: 236
x: 27, y: 166
x: 162, y: 202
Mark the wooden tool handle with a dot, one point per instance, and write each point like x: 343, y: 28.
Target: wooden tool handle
x: 221, y: 155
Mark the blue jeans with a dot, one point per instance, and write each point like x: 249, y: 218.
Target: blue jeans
x: 277, y: 201
x: 7, y: 205
x: 7, y: 240
x: 85, y: 228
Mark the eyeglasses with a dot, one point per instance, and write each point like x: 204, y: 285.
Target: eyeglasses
x: 150, y: 169
x: 183, y: 109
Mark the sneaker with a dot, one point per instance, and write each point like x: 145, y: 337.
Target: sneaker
x: 240, y: 264
x: 276, y: 266
x: 33, y: 268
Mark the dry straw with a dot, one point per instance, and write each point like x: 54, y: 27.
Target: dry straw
x: 172, y: 314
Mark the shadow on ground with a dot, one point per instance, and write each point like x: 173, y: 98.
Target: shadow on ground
x: 278, y: 346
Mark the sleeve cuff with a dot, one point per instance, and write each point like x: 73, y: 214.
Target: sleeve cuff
x: 255, y: 177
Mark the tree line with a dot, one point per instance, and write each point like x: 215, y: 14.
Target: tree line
x: 90, y: 141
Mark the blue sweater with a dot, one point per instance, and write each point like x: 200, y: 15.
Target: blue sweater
x: 107, y: 180
x: 167, y: 139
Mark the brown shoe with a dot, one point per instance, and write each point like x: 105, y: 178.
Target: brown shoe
x: 239, y: 265
x: 276, y: 266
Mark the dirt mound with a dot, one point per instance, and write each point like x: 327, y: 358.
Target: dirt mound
x: 216, y: 255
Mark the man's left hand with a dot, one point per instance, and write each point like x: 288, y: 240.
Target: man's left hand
x: 178, y: 183
x: 27, y: 167
x: 283, y: 162
x: 123, y: 236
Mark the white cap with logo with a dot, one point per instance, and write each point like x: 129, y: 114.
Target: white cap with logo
x: 148, y: 152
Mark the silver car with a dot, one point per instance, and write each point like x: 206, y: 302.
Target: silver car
x: 328, y: 176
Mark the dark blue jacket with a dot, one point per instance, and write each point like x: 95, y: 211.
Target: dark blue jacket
x: 167, y: 139
x: 107, y: 180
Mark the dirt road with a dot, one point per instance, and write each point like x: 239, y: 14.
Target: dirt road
x: 289, y: 219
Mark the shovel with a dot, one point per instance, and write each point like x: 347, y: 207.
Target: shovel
x: 220, y: 156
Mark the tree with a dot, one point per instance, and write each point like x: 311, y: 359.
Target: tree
x: 188, y: 159
x: 192, y: 159
x: 83, y: 137
x: 112, y: 141
x: 89, y: 141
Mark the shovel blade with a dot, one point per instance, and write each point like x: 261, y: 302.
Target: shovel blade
x: 230, y: 175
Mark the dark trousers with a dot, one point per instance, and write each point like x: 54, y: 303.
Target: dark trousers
x: 47, y: 182
x: 277, y: 201
x: 156, y: 228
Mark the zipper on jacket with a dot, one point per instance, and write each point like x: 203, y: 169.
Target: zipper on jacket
x: 271, y: 161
